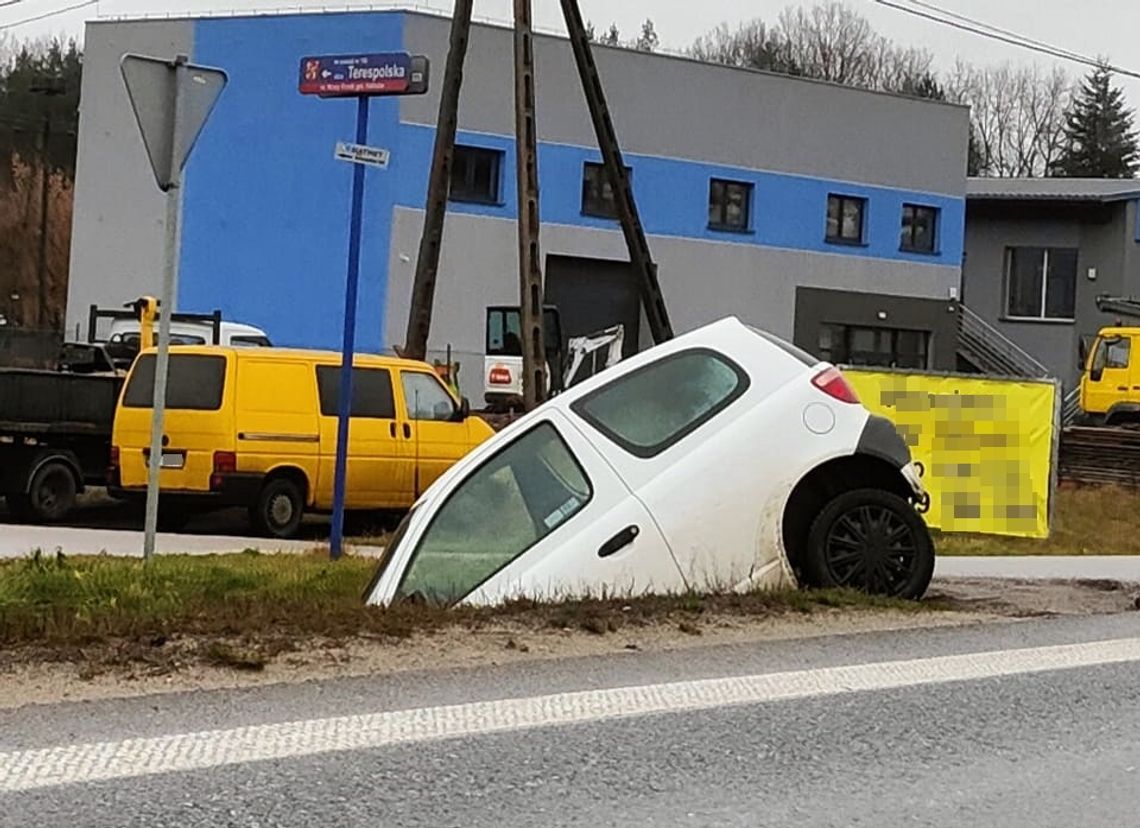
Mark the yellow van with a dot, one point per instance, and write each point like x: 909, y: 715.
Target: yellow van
x: 257, y: 427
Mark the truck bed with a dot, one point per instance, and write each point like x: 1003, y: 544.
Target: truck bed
x: 48, y: 403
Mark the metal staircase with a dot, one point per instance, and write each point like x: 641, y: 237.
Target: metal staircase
x: 990, y: 351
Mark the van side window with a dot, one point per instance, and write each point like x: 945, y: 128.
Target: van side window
x: 426, y: 398
x: 371, y: 392
x: 195, y: 382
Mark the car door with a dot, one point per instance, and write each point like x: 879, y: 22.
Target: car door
x: 544, y: 516
x: 378, y: 473
x: 437, y: 438
x: 1108, y: 378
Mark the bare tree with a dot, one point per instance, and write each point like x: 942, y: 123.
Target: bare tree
x: 753, y: 45
x: 1018, y: 116
x: 829, y: 41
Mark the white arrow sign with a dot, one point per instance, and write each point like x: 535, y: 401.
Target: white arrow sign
x: 361, y: 154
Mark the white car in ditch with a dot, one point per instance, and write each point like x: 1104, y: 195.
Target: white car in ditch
x: 722, y: 459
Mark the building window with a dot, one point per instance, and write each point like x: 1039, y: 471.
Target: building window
x: 845, y: 219
x: 730, y: 205
x: 1041, y: 282
x: 886, y: 347
x: 475, y: 175
x: 919, y: 227
x: 597, y: 195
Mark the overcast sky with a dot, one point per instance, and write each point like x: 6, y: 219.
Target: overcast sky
x: 1095, y: 27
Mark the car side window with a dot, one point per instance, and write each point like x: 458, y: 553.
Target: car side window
x: 372, y: 396
x: 514, y: 500
x: 656, y: 406
x: 426, y: 398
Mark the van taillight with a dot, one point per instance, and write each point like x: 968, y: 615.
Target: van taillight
x: 225, y: 462
x: 500, y: 376
x: 832, y: 382
x: 114, y: 457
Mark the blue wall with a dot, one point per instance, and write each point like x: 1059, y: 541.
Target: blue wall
x: 265, y: 230
x: 265, y: 210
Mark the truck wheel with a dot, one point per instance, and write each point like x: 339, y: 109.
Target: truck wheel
x: 279, y: 509
x: 50, y: 496
x: 871, y: 540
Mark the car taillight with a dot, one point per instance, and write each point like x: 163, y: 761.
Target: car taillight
x: 114, y: 463
x: 225, y: 462
x: 499, y: 376
x: 832, y: 382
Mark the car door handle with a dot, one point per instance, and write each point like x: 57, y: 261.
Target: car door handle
x: 392, y: 430
x: 618, y: 542
x: 1122, y: 388
x: 407, y: 432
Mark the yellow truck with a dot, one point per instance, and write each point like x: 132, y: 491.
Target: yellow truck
x: 1110, y: 379
x: 257, y: 427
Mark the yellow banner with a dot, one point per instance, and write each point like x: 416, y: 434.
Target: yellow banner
x: 986, y: 445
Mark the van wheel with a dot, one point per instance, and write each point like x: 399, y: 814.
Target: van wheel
x: 279, y: 509
x: 50, y: 496
x: 873, y: 541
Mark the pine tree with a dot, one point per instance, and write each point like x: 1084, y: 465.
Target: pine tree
x: 648, y: 41
x: 1100, y: 137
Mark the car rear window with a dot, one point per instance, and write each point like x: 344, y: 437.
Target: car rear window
x: 650, y: 409
x: 195, y: 382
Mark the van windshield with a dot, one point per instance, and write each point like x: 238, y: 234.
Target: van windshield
x: 195, y: 382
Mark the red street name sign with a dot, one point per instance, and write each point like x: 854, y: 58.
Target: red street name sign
x: 389, y: 73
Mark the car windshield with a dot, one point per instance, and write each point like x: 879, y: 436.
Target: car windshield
x: 505, y: 507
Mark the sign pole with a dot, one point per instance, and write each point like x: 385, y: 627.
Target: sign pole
x: 344, y: 400
x: 169, y: 286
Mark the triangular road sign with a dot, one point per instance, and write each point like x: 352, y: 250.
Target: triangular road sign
x: 172, y: 100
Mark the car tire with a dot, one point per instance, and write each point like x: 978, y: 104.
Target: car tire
x: 50, y: 497
x: 871, y: 540
x: 279, y: 509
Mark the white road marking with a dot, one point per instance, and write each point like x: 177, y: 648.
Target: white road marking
x: 178, y: 753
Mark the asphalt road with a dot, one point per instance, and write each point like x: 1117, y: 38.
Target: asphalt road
x: 1018, y: 724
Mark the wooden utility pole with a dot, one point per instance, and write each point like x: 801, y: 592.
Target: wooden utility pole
x: 530, y: 268
x: 427, y: 263
x: 645, y: 269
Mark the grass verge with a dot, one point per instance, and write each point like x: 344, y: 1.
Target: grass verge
x: 266, y: 603
x: 1101, y: 520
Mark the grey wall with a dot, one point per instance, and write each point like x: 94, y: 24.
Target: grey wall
x: 677, y: 108
x: 1105, y: 237
x: 815, y: 308
x: 117, y: 229
x: 702, y: 281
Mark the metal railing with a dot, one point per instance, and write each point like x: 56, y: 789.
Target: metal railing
x: 991, y: 351
x: 1071, y: 407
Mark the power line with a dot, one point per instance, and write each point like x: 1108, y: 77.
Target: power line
x: 46, y: 15
x: 10, y: 3
x: 977, y: 27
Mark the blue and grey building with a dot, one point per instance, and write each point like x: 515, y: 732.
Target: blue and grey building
x: 826, y: 214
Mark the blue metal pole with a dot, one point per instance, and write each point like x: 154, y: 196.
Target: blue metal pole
x: 345, y: 399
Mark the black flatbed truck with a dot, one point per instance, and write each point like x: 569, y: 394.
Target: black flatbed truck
x: 55, y: 431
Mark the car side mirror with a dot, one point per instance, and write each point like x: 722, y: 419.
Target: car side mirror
x: 1083, y: 350
x: 462, y: 411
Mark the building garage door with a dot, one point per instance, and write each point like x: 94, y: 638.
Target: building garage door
x: 592, y: 294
